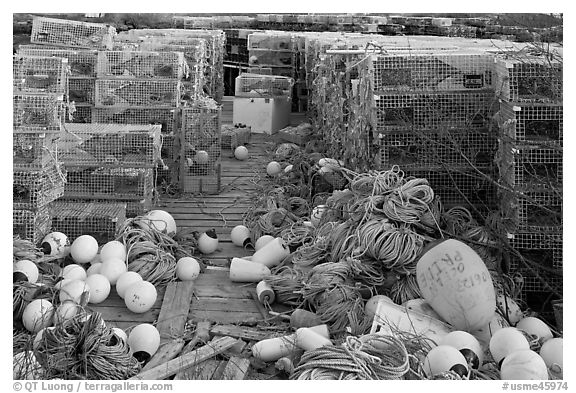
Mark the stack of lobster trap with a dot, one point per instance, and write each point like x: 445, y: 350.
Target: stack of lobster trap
x: 530, y: 170
x: 39, y: 84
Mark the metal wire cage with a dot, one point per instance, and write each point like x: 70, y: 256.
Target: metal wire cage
x: 271, y: 40
x: 37, y: 112
x: 539, y: 122
x: 34, y: 151
x: 82, y: 91
x: 264, y: 86
x: 110, y: 145
x: 71, y: 33
x: 31, y: 225
x: 137, y: 93
x: 165, y: 117
x: 101, y: 220
x: 81, y: 62
x: 141, y: 65
x: 34, y: 74
x: 233, y: 136
x: 531, y: 210
x: 33, y: 189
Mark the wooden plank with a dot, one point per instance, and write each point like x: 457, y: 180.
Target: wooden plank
x: 167, y: 351
x: 174, y: 311
x: 224, y: 304
x: 219, y: 370
x: 201, y: 335
x: 225, y: 317
x: 241, y: 332
x: 190, y: 359
x: 237, y: 348
x: 204, y: 371
x: 236, y: 368
x: 125, y: 315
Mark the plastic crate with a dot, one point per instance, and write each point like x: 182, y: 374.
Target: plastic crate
x: 537, y: 211
x: 33, y: 189
x: 541, y: 122
x: 31, y: 225
x: 526, y: 166
x: 141, y: 65
x: 233, y: 136
x: 37, y: 113
x: 71, y: 33
x: 414, y: 71
x: 528, y: 79
x: 445, y: 148
x: 34, y: 74
x: 137, y: 93
x: 110, y: 145
x: 120, y: 184
x: 263, y: 86
x: 82, y: 91
x: 34, y: 151
x: 165, y: 117
x: 268, y: 58
x: 81, y: 62
x: 100, y: 220
x: 471, y: 109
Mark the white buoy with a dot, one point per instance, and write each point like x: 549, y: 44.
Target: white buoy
x: 242, y: 270
x: 272, y: 253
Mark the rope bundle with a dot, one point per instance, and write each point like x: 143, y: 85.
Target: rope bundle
x: 375, y: 357
x: 409, y: 202
x: 297, y: 234
x: 287, y: 285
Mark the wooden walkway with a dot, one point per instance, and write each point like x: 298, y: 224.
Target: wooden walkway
x: 212, y: 297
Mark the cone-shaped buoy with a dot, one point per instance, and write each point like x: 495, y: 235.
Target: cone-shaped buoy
x: 242, y: 270
x: 272, y: 349
x: 308, y: 340
x: 272, y: 253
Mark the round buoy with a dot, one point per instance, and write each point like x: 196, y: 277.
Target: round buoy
x: 83, y: 249
x: 535, y: 326
x: 273, y: 168
x: 113, y: 249
x: 144, y: 341
x: 73, y: 272
x: 37, y: 315
x: 161, y: 221
x: 120, y: 333
x: 505, y: 341
x: 467, y: 344
x: 241, y: 153
x: 208, y: 242
x: 94, y: 269
x: 75, y: 290
x: 372, y: 304
x: 65, y: 311
x: 445, y: 358
x: 125, y: 280
x: 509, y: 308
x: 523, y: 365
x: 112, y: 269
x: 55, y: 244
x: 187, y: 269
x: 140, y: 296
x: 99, y: 288
x: 421, y: 305
x: 240, y: 236
x: 552, y: 353
x: 262, y: 241
x: 202, y: 157
x: 25, y: 270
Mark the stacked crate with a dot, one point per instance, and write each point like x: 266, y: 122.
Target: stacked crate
x: 39, y: 84
x: 237, y: 45
x: 200, y: 142
x: 111, y: 162
x: 530, y: 147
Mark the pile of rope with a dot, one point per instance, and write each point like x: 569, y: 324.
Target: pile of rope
x: 151, y: 253
x: 371, y: 357
x: 85, y: 348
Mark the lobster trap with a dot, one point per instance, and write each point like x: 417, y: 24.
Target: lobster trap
x: 540, y: 122
x: 263, y: 86
x: 141, y: 65
x: 34, y: 74
x: 31, y: 225
x: 528, y: 166
x: 34, y: 151
x: 119, y: 184
x: 35, y: 113
x: 528, y: 79
x: 33, y: 189
x: 100, y: 220
x: 79, y: 114
x: 234, y: 136
x: 529, y: 210
x: 470, y: 109
x: 165, y: 117
x: 436, y: 149
x: 200, y: 144
x: 414, y: 71
x: 115, y: 93
x: 82, y: 91
x: 81, y: 62
x: 71, y: 33
x: 110, y: 145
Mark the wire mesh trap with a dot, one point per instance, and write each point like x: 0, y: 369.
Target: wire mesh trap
x: 165, y: 117
x: 34, y: 74
x: 111, y: 145
x: 35, y: 189
x: 137, y: 93
x: 79, y: 114
x: 82, y: 91
x: 101, y: 220
x: 71, y: 33
x: 540, y: 122
x: 81, y: 62
x: 234, y: 136
x: 139, y: 64
x: 37, y: 112
x: 532, y: 210
x: 271, y: 41
x: 31, y: 225
x: 34, y: 151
